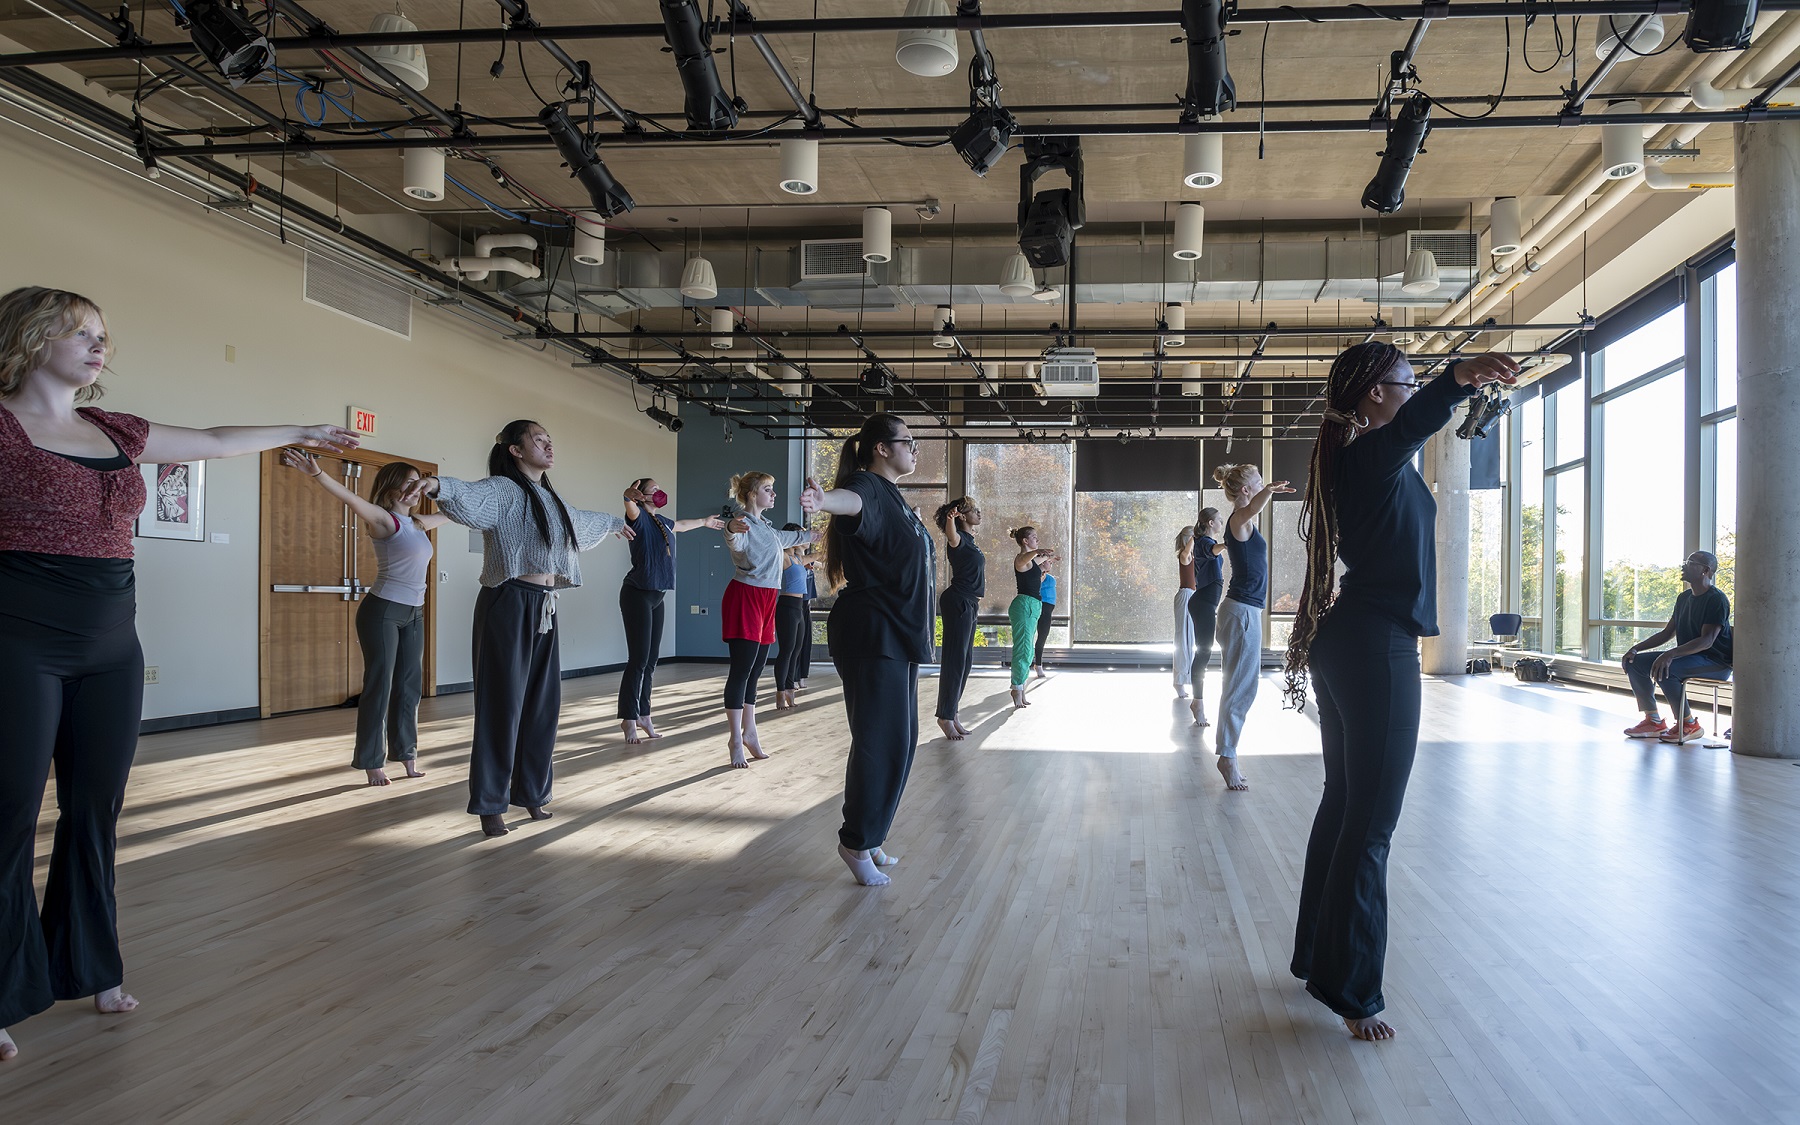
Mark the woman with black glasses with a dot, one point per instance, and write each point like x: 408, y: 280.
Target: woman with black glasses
x: 1367, y: 507
x: 880, y: 629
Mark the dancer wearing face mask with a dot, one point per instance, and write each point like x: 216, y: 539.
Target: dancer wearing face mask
x: 647, y: 583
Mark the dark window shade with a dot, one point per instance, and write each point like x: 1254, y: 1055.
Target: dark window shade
x: 1484, y: 459
x: 1645, y: 307
x: 1292, y: 462
x: 1719, y: 257
x: 1138, y: 465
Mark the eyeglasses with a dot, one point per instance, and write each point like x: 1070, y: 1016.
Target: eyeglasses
x: 1410, y: 383
x: 910, y: 443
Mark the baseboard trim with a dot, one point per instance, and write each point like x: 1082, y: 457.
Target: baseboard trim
x: 198, y: 719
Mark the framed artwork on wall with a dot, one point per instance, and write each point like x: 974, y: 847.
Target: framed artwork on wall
x: 176, y: 503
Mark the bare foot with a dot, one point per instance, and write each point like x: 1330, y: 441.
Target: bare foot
x: 1018, y: 697
x: 1234, y: 780
x: 629, y: 729
x: 8, y: 1049
x: 1370, y: 1028
x: 413, y: 770
x: 952, y: 732
x: 648, y: 727
x: 493, y: 824
x: 863, y: 867
x: 377, y: 777
x: 882, y: 859
x: 1197, y: 708
x: 960, y: 729
x: 754, y: 745
x: 736, y: 746
x: 1041, y: 674
x: 1181, y: 691
x: 114, y: 1001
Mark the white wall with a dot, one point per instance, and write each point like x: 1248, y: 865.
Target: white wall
x: 179, y: 284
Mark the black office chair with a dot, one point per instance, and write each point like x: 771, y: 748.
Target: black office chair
x: 1505, y: 627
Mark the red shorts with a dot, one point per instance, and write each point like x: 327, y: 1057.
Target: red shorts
x: 747, y: 613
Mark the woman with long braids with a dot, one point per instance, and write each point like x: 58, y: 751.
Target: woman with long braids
x: 959, y: 605
x: 747, y: 611
x: 1203, y: 606
x: 651, y: 577
x: 527, y: 556
x: 71, y: 668
x: 880, y: 629
x: 1240, y: 612
x: 1367, y: 507
x: 1183, y: 663
x: 390, y: 622
x: 1027, y: 606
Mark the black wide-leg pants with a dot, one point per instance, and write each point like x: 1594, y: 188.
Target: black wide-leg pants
x: 881, y: 698
x: 518, y: 695
x: 642, y: 612
x: 73, y: 701
x: 1365, y: 671
x: 958, y: 611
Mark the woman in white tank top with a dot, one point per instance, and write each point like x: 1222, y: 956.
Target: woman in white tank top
x: 390, y: 622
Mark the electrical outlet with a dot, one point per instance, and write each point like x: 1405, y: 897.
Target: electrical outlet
x: 150, y: 671
x: 697, y: 611
x: 443, y: 576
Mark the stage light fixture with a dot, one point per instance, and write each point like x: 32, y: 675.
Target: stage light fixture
x: 876, y: 380
x: 230, y: 42
x: 1210, y: 90
x: 663, y: 418
x: 984, y: 137
x: 607, y: 194
x: 708, y: 107
x: 1720, y: 25
x: 1405, y: 140
x: 1048, y: 220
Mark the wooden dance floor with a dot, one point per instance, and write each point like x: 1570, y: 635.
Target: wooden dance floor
x: 1084, y: 927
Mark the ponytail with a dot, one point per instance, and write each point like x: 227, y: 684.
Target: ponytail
x: 858, y: 454
x: 1352, y: 374
x: 502, y: 463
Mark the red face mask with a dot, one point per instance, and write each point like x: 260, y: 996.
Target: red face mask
x: 659, y: 499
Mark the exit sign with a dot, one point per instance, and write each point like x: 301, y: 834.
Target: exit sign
x: 362, y: 421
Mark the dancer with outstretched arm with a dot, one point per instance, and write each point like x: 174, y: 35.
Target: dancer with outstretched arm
x: 747, y: 610
x: 647, y: 583
x: 1240, y: 613
x: 1367, y: 507
x: 880, y: 629
x: 71, y: 668
x: 1203, y: 606
x: 530, y: 546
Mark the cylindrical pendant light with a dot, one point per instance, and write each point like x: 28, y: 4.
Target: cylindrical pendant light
x: 799, y: 166
x: 1193, y: 377
x: 722, y: 325
x: 698, y: 280
x: 1018, y: 280
x: 878, y: 234
x: 1175, y: 316
x: 422, y: 169
x: 928, y: 54
x: 941, y: 320
x: 1622, y: 146
x: 590, y: 238
x: 1505, y: 229
x: 1190, y: 231
x: 1421, y: 273
x: 1203, y: 162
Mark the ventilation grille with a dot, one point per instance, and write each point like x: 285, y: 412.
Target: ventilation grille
x: 331, y: 284
x: 1454, y: 249
x: 835, y: 259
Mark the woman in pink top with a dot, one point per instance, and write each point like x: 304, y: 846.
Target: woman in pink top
x: 71, y: 670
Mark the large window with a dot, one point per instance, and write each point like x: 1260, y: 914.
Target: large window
x: 1723, y: 310
x: 1125, y: 554
x: 1570, y: 490
x: 1487, y: 555
x: 1724, y: 542
x: 1018, y: 485
x: 1531, y: 520
x: 1654, y: 345
x: 1719, y: 425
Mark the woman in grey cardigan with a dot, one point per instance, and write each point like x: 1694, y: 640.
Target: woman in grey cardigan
x: 747, y: 612
x: 530, y: 540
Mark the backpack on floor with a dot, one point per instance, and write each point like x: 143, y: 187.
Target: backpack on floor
x: 1531, y: 670
x: 1480, y: 666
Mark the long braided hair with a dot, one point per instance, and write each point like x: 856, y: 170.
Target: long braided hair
x: 1352, y: 374
x: 502, y: 463
x: 858, y: 453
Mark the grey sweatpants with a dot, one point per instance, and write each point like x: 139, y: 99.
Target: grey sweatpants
x: 1240, y: 652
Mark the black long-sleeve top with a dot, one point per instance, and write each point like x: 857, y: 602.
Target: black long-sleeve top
x: 1386, y: 515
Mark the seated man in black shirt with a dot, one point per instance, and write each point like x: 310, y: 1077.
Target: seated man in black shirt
x: 1701, y: 626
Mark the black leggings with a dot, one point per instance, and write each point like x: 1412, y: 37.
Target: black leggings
x: 806, y: 640
x: 1365, y: 672
x: 74, y: 701
x: 959, y: 611
x: 1203, y: 611
x: 518, y: 698
x: 790, y: 632
x: 881, y: 699
x: 1037, y: 656
x: 747, y: 660
x: 643, y: 614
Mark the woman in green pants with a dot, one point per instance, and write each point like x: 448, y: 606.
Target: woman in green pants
x: 1023, y: 613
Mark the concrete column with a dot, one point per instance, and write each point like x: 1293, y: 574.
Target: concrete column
x: 1766, y: 712
x: 1446, y: 468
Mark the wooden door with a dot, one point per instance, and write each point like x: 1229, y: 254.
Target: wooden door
x: 318, y: 562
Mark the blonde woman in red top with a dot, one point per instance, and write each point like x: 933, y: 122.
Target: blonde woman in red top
x: 71, y: 669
